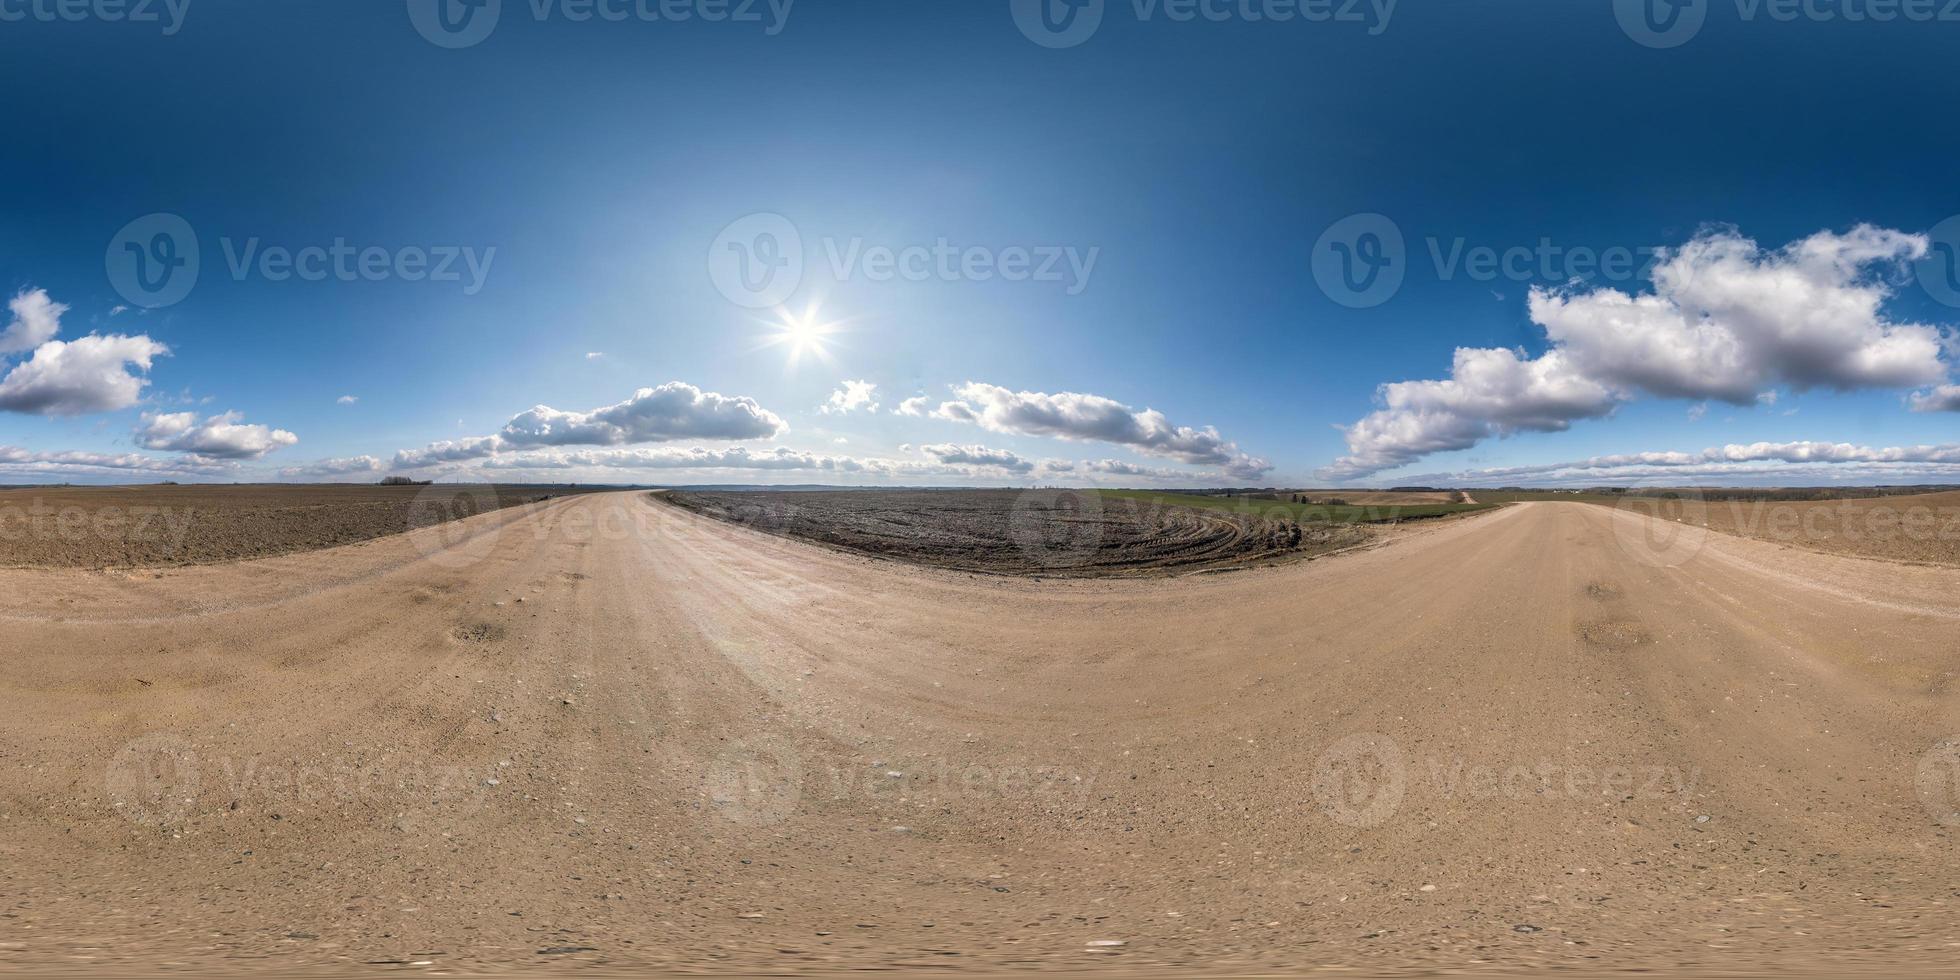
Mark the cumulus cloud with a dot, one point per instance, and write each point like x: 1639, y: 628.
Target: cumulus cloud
x: 1727, y: 320
x: 223, y: 436
x: 949, y: 462
x: 670, y: 458
x: 977, y: 456
x: 737, y: 458
x: 1117, y: 467
x: 448, y: 451
x: 670, y: 412
x: 1945, y: 398
x: 852, y: 396
x: 90, y: 374
x: 1734, y: 459
x: 911, y: 406
x: 339, y: 466
x: 1489, y: 392
x: 17, y: 461
x: 36, y: 320
x: 955, y: 412
x: 347, y: 399
x: 1094, y: 418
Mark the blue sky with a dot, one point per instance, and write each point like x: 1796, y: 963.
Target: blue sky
x: 1147, y: 206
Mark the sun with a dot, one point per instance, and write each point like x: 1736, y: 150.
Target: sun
x: 806, y: 333
x: 803, y: 334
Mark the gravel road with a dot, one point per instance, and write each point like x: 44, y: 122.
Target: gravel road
x: 602, y: 731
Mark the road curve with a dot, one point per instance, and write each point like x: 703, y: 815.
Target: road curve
x: 601, y: 730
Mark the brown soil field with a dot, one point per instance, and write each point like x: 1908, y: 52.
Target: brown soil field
x: 167, y: 525
x: 1364, y: 498
x: 1906, y: 527
x: 605, y: 735
x: 1056, y: 533
x: 1380, y: 498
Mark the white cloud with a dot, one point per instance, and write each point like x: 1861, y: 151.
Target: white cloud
x: 851, y: 397
x: 217, y: 437
x: 90, y: 374
x: 977, y: 456
x: 1945, y: 398
x: 340, y: 466
x: 668, y: 413
x: 964, y: 465
x: 1490, y: 392
x: 37, y: 319
x: 17, y: 461
x: 594, y: 355
x: 669, y: 458
x: 1726, y: 321
x: 448, y: 451
x: 1735, y: 459
x: 911, y: 406
x: 955, y: 412
x: 347, y: 399
x: 710, y: 460
x: 1093, y: 418
x: 1117, y: 467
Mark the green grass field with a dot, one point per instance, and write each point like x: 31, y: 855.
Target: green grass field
x: 1303, y: 513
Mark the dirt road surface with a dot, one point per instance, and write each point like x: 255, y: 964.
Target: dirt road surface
x: 1543, y: 737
